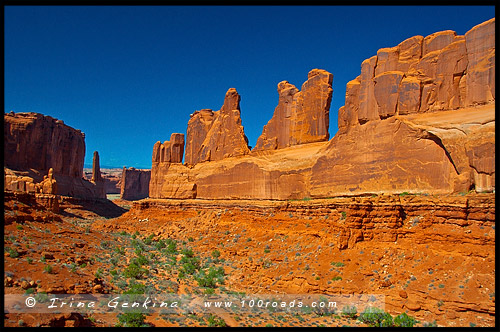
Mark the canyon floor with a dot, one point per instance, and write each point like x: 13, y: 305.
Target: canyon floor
x: 431, y: 257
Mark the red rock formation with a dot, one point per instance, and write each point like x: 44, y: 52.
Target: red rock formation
x: 419, y: 118
x: 442, y: 71
x: 35, y: 143
x: 403, y: 82
x: 48, y: 185
x: 16, y: 181
x: 216, y: 135
x: 479, y: 81
x: 134, y: 184
x: 168, y: 176
x: 96, y: 168
x: 32, y: 140
x: 301, y: 116
x: 97, y: 179
x: 198, y: 127
x: 170, y: 151
x: 171, y: 180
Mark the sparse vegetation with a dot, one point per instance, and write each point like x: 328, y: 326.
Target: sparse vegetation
x: 132, y: 319
x: 190, y: 262
x: 48, y: 269
x: 376, y: 317
x: 12, y: 252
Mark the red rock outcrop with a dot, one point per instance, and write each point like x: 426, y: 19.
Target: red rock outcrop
x: 387, y: 142
x: 96, y: 168
x: 419, y: 118
x: 32, y: 140
x: 134, y: 183
x: 169, y: 178
x: 48, y: 185
x: 442, y: 71
x: 34, y: 144
x: 216, y: 135
x: 169, y: 151
x: 97, y: 180
x: 301, y: 116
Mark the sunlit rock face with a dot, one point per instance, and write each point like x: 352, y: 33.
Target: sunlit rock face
x: 419, y: 118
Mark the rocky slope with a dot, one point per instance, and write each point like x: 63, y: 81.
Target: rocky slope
x: 430, y: 256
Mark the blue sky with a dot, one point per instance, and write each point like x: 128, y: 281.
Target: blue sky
x: 128, y: 76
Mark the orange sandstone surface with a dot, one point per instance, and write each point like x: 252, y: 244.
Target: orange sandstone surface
x: 430, y: 256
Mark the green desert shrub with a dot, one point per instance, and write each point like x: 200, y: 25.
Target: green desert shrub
x: 376, y: 317
x: 132, y: 319
x: 403, y: 320
x: 210, y: 278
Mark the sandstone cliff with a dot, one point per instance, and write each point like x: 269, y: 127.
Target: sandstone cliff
x: 41, y: 142
x: 442, y: 71
x: 34, y: 144
x: 301, y: 116
x: 419, y: 118
x: 217, y: 135
x: 134, y: 184
x: 169, y: 177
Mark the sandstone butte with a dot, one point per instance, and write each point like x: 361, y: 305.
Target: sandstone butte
x: 419, y: 119
x: 134, y: 183
x: 43, y: 155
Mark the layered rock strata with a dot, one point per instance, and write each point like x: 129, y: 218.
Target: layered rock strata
x: 301, y: 116
x: 34, y: 144
x: 32, y: 140
x: 417, y: 250
x: 442, y: 71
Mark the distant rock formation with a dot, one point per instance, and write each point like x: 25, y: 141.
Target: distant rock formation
x: 97, y: 179
x: 301, y: 116
x: 134, y: 183
x: 217, y: 135
x: 96, y: 168
x: 34, y: 144
x: 110, y: 176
